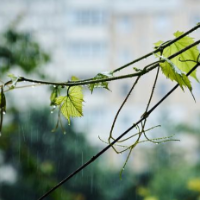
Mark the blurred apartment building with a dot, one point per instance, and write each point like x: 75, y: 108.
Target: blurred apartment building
x: 86, y: 37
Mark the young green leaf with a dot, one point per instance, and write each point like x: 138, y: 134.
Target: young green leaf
x: 53, y: 96
x: 101, y: 84
x: 12, y: 76
x: 136, y: 69
x: 14, y: 80
x: 71, y: 105
x: 74, y: 78
x: 180, y: 60
x: 174, y: 73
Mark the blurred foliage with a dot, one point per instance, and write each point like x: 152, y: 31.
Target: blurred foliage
x: 41, y: 159
x: 19, y: 49
x: 194, y: 184
x: 171, y: 176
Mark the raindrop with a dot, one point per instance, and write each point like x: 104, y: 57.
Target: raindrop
x: 54, y: 106
x: 0, y: 134
x: 156, y: 142
x: 52, y: 112
x: 4, y: 112
x: 33, y: 86
x: 54, y: 86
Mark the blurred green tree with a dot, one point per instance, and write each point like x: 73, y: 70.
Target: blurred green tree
x: 20, y: 50
x: 40, y: 158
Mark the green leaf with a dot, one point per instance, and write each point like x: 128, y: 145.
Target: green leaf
x: 2, y: 102
x: 14, y: 80
x: 174, y: 73
x: 136, y: 69
x: 74, y: 78
x: 71, y: 105
x: 100, y: 84
x: 190, y: 54
x: 12, y: 76
x: 157, y: 44
x: 53, y: 96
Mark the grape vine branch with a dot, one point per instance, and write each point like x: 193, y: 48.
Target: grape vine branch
x: 178, y: 65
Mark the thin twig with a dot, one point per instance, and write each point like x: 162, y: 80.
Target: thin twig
x: 188, y: 60
x: 117, y: 114
x: 137, y: 134
x: 148, y: 104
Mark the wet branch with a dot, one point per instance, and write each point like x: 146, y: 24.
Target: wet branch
x: 144, y: 116
x: 146, y: 69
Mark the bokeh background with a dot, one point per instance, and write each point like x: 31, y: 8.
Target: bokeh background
x: 53, y: 40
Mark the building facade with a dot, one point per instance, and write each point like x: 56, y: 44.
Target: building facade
x: 86, y: 37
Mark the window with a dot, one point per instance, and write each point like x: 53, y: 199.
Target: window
x: 124, y: 56
x: 124, y: 90
x: 124, y: 24
x: 196, y: 90
x: 88, y: 17
x: 195, y: 18
x: 162, y: 23
x: 162, y: 89
x: 87, y: 49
